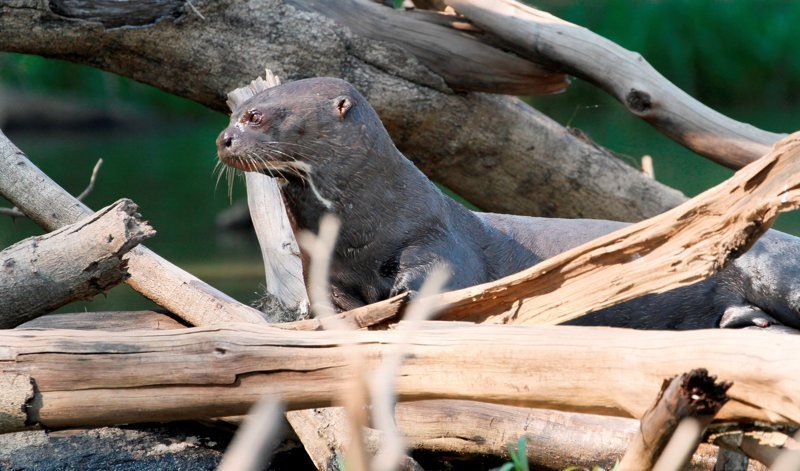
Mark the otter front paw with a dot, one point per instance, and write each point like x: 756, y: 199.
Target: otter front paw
x: 737, y: 317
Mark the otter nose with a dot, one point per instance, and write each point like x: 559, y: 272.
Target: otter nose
x: 227, y: 138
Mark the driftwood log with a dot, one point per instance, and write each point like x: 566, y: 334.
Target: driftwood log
x: 462, y: 429
x: 567, y: 47
x: 498, y: 152
x: 105, y: 320
x: 78, y: 261
x: 91, y: 378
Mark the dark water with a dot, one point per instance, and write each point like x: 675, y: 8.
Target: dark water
x: 166, y: 169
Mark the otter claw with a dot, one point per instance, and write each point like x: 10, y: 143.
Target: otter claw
x: 737, y: 317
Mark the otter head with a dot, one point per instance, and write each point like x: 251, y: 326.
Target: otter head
x: 292, y: 129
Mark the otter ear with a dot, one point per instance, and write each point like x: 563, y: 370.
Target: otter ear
x: 343, y: 105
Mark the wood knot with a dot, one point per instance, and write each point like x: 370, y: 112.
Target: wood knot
x: 638, y: 101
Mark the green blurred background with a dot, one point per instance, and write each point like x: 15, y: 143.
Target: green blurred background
x: 739, y: 57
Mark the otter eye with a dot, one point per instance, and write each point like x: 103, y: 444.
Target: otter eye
x: 255, y: 117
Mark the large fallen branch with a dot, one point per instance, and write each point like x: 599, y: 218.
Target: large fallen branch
x: 625, y: 75
x: 91, y: 378
x: 51, y: 207
x: 677, y: 248
x: 467, y: 428
x: 555, y: 440
x: 78, y: 261
x: 498, y: 152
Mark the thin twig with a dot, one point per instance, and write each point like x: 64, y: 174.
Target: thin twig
x: 92, y: 179
x: 195, y: 10
x: 16, y: 213
x: 12, y: 212
x: 253, y: 443
x: 320, y: 249
x: 392, y: 452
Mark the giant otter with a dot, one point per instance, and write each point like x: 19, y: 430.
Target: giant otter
x: 322, y: 137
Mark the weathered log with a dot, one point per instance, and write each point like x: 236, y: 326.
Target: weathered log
x: 499, y: 152
x: 456, y: 428
x: 78, y: 261
x: 677, y: 248
x: 546, y: 39
x: 51, y: 207
x: 691, y: 395
x: 555, y: 440
x: 375, y: 316
x: 86, y: 378
x: 105, y: 320
x: 325, y: 434
x: 763, y: 446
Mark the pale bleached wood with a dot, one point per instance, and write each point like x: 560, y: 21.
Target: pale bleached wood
x: 78, y: 261
x: 625, y: 75
x: 555, y: 440
x: 677, y: 248
x: 51, y: 207
x: 500, y: 153
x: 86, y: 378
x: 104, y: 320
x: 377, y: 315
x: 16, y: 390
x: 760, y: 445
x: 284, y: 284
x: 252, y: 445
x: 464, y: 428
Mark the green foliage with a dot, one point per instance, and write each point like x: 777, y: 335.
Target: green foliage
x: 718, y: 51
x: 519, y: 457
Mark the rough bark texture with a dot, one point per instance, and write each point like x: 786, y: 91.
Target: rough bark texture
x: 79, y: 261
x: 692, y: 394
x: 110, y: 320
x: 451, y: 430
x: 51, y: 207
x: 496, y: 151
x: 88, y: 378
